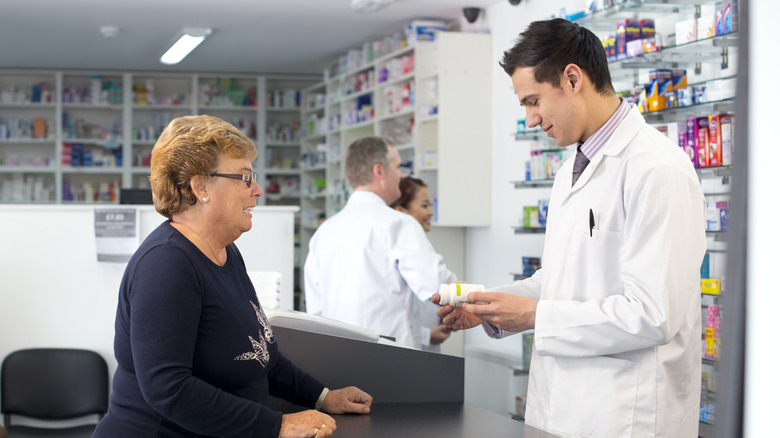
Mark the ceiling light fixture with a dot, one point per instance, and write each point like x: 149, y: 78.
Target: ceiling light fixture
x: 369, y: 5
x: 189, y: 39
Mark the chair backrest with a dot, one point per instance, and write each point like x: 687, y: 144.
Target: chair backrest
x: 54, y: 383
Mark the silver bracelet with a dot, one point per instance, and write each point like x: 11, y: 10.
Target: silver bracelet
x: 318, y: 405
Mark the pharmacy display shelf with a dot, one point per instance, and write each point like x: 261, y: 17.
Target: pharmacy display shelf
x: 525, y: 184
x: 533, y: 135
x: 281, y: 172
x: 178, y: 94
x: 697, y: 110
x: 283, y: 144
x: 604, y: 19
x: 529, y: 230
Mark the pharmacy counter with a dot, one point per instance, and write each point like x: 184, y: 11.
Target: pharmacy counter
x: 451, y: 420
x: 416, y: 393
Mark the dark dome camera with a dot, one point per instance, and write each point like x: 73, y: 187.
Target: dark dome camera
x: 514, y: 2
x: 471, y: 14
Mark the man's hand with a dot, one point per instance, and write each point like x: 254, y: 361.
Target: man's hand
x: 456, y: 318
x: 508, y: 312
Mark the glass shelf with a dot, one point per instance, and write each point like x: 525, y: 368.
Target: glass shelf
x: 698, y: 110
x: 524, y: 184
x: 529, y: 230
x: 604, y: 19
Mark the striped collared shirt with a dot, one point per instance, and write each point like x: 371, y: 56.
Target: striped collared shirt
x: 599, y: 138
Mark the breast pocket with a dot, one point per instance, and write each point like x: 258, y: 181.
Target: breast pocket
x: 592, y: 263
x: 602, y: 387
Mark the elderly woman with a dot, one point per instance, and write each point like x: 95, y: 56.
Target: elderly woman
x: 196, y: 355
x: 415, y: 201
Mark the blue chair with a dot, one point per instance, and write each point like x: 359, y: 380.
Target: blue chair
x: 59, y: 389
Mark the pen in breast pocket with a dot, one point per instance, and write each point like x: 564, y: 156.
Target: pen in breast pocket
x: 592, y: 222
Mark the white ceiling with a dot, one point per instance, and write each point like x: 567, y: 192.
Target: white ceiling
x: 249, y: 36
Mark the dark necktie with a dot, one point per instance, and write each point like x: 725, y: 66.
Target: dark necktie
x: 580, y: 163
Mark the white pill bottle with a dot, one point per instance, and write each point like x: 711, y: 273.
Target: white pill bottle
x: 455, y: 294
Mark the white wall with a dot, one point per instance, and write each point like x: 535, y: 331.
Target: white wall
x: 54, y: 292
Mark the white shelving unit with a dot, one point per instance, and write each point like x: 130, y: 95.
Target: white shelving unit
x: 113, y: 119
x: 435, y: 111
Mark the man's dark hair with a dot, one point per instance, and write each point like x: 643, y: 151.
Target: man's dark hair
x: 550, y: 45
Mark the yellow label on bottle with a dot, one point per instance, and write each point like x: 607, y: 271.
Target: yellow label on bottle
x: 457, y: 289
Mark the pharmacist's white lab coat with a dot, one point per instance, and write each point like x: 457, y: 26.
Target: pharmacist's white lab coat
x: 617, y: 343
x: 371, y: 266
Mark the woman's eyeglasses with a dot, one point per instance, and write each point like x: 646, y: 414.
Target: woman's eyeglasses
x: 248, y: 178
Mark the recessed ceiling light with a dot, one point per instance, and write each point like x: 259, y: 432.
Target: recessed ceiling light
x: 109, y: 31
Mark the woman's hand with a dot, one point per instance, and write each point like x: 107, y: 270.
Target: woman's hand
x: 349, y: 400
x: 439, y: 334
x: 307, y: 424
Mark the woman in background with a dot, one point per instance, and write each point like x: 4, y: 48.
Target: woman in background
x: 195, y: 353
x: 415, y: 201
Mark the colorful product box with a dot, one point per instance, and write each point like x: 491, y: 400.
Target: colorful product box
x: 646, y: 28
x: 723, y: 211
x: 715, y: 156
x: 660, y: 83
x: 710, y: 286
x: 712, y: 216
x: 690, y: 146
x: 679, y: 78
x: 702, y: 141
x: 726, y: 137
x: 684, y: 96
x: 627, y: 30
x: 541, y: 212
x: 530, y: 216
x: 705, y: 266
x: 725, y: 17
x: 423, y: 30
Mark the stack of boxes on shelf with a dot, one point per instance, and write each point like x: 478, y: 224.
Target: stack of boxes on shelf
x: 545, y: 163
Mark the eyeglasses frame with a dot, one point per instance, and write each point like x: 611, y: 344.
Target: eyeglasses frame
x: 248, y: 178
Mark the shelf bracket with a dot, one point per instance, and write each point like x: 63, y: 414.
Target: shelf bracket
x: 724, y: 61
x: 697, y: 69
x: 725, y: 180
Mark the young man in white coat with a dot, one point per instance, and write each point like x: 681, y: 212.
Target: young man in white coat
x: 616, y: 306
x: 370, y: 265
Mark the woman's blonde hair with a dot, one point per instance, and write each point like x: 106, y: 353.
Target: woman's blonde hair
x: 188, y: 147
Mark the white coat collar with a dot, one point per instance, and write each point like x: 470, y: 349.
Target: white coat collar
x: 624, y: 133
x: 366, y: 196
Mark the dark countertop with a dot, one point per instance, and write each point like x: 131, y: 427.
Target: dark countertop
x: 413, y: 420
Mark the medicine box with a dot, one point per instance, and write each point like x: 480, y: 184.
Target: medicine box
x: 660, y: 83
x: 715, y: 156
x: 702, y: 141
x: 710, y: 286
x: 679, y: 78
x: 726, y: 138
x: 627, y: 30
x: 690, y: 145
x: 423, y: 30
x: 725, y: 17
x: 530, y: 216
x: 685, y: 31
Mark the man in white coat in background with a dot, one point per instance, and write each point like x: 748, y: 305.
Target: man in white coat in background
x: 370, y: 265
x: 616, y: 305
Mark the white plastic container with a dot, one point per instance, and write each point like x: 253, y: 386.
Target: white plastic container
x: 455, y: 294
